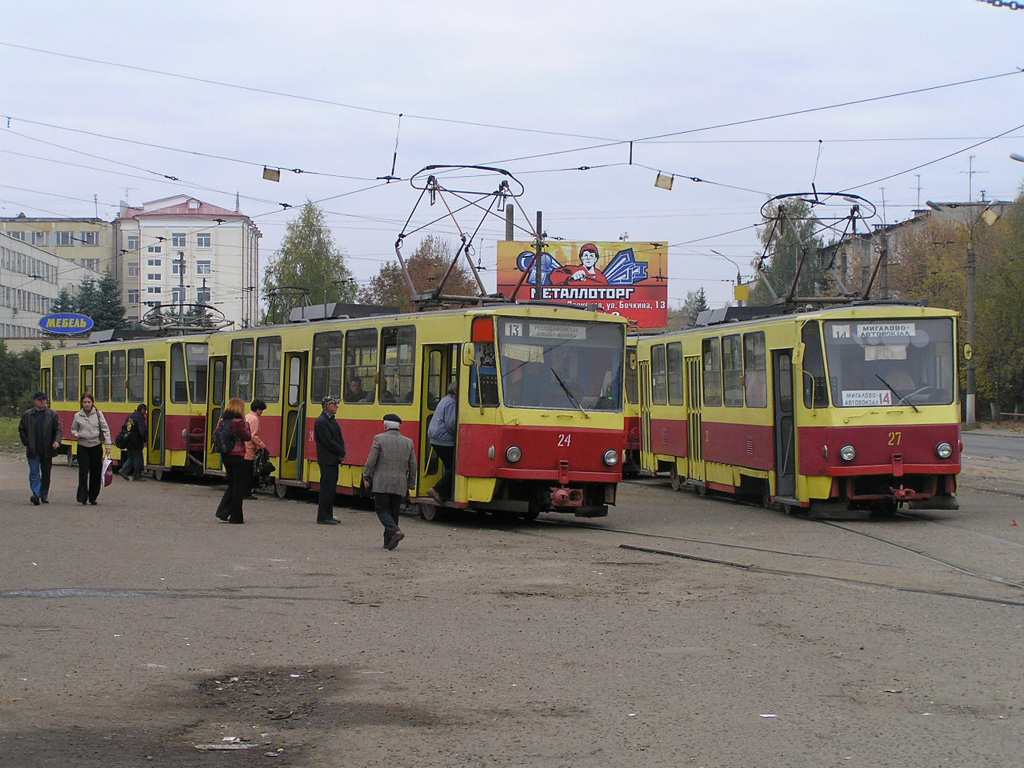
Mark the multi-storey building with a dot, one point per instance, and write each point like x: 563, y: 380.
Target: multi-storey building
x: 86, y: 242
x: 30, y: 279
x: 181, y: 251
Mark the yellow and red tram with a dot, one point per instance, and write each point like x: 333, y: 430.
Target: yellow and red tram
x: 835, y: 412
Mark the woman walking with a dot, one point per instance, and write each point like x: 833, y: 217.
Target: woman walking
x: 90, y: 428
x: 235, y: 465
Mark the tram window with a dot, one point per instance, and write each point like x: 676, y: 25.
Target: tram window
x: 217, y: 396
x: 102, y: 390
x: 136, y: 375
x: 118, y: 376
x: 179, y: 385
x: 242, y: 359
x: 360, y: 365
x: 87, y: 379
x: 659, y: 387
x: 58, y: 378
x: 814, y: 387
x: 435, y: 378
x: 196, y: 368
x: 675, y: 373
x: 483, y: 376
x: 711, y: 355
x: 632, y: 383
x: 71, y: 379
x: 755, y: 381
x: 325, y: 378
x: 294, y: 381
x: 732, y: 370
x: 397, y: 367
x: 268, y: 369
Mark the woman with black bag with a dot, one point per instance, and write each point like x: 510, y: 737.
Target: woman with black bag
x: 239, y: 472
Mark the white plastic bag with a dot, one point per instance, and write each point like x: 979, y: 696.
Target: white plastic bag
x: 108, y: 471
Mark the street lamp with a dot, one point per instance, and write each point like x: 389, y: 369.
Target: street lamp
x: 739, y: 279
x: 1018, y: 158
x: 970, y: 416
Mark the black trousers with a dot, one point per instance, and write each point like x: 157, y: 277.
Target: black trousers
x: 239, y: 471
x: 328, y: 489
x: 90, y: 473
x: 447, y: 455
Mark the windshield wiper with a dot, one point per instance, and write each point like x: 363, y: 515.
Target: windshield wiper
x: 902, y: 398
x: 569, y: 394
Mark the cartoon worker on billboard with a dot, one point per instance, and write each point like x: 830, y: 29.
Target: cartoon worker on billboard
x: 587, y: 272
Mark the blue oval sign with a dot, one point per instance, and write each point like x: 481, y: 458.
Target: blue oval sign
x: 66, y: 322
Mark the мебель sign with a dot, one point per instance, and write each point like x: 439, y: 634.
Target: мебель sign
x: 66, y: 322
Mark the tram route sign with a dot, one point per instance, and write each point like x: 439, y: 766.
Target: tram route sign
x: 627, y: 279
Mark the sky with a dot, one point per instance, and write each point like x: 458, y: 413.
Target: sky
x: 583, y: 103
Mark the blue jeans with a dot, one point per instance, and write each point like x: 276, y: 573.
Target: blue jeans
x: 39, y: 476
x: 134, y: 464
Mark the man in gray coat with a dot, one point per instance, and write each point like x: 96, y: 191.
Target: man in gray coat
x: 390, y: 473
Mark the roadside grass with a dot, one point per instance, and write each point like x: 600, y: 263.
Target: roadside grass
x: 9, y: 440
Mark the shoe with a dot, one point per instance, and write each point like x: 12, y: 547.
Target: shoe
x: 222, y: 516
x: 236, y: 522
x: 34, y: 499
x: 328, y: 521
x: 138, y: 479
x: 395, y: 539
x: 91, y: 501
x: 45, y: 501
x: 435, y: 496
x: 125, y: 475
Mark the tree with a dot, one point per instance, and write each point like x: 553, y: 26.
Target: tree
x: 686, y: 317
x: 308, y: 261
x: 19, y: 378
x: 108, y: 311
x: 427, y: 266
x: 63, y: 303
x: 789, y: 237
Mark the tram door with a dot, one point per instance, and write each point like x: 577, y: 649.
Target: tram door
x: 293, y: 416
x: 157, y: 379
x: 87, y: 380
x: 216, y: 389
x: 440, y: 365
x: 694, y: 424
x: 785, y: 426
x: 647, y: 460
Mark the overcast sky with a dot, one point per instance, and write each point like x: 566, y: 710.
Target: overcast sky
x: 210, y: 92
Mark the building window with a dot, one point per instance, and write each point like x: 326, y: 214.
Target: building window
x: 153, y: 289
x: 178, y: 267
x: 203, y: 240
x: 93, y: 264
x: 17, y: 235
x: 132, y: 242
x: 203, y: 268
x: 64, y: 239
x: 133, y: 269
x: 133, y: 295
x: 40, y: 239
x: 202, y: 295
x: 154, y: 249
x: 154, y: 262
x: 89, y: 238
x: 177, y: 295
x: 154, y: 276
x: 178, y: 239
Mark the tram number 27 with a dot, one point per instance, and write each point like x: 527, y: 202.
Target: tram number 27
x: 895, y: 438
x: 564, y: 440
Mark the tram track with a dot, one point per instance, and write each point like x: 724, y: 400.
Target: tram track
x: 796, y: 573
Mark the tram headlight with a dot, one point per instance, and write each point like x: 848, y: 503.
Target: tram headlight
x: 943, y: 450
x: 847, y: 453
x: 611, y: 458
x: 513, y: 454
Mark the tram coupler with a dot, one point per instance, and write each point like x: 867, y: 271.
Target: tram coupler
x: 566, y: 497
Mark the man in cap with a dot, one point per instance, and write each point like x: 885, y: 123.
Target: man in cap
x: 390, y: 473
x: 40, y: 432
x: 330, y: 451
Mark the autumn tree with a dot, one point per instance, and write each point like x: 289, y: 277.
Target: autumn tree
x: 686, y: 317
x: 790, y: 242
x: 308, y: 266
x: 427, y: 266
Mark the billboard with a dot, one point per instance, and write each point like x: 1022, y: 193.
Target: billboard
x: 66, y: 323
x: 628, y: 279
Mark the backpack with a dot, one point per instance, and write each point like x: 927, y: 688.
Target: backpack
x: 121, y: 441
x: 223, y: 437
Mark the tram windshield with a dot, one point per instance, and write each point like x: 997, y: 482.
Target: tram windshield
x: 904, y: 362
x: 565, y: 365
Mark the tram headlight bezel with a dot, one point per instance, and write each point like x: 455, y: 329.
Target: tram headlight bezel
x: 943, y: 450
x: 513, y: 454
x: 847, y: 453
x: 610, y: 458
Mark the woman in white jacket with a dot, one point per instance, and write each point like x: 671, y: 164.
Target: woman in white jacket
x: 90, y: 429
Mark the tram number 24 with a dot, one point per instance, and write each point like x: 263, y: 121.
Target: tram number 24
x: 564, y: 440
x: 895, y: 438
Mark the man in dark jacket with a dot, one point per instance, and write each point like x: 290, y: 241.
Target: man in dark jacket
x: 40, y: 432
x: 330, y: 451
x: 138, y: 433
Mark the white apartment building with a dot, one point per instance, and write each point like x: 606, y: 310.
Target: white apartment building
x: 30, y: 279
x: 180, y: 250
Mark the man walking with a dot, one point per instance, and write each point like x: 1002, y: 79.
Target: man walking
x: 330, y: 451
x: 40, y: 432
x: 137, y: 436
x: 390, y: 473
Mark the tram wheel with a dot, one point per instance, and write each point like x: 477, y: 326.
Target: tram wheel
x: 530, y: 516
x: 159, y: 474
x: 281, y: 490
x: 431, y: 512
x: 677, y: 482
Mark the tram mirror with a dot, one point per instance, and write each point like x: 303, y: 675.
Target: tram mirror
x: 468, y: 357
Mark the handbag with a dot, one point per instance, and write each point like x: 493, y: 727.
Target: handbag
x: 108, y: 472
x: 261, y: 465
